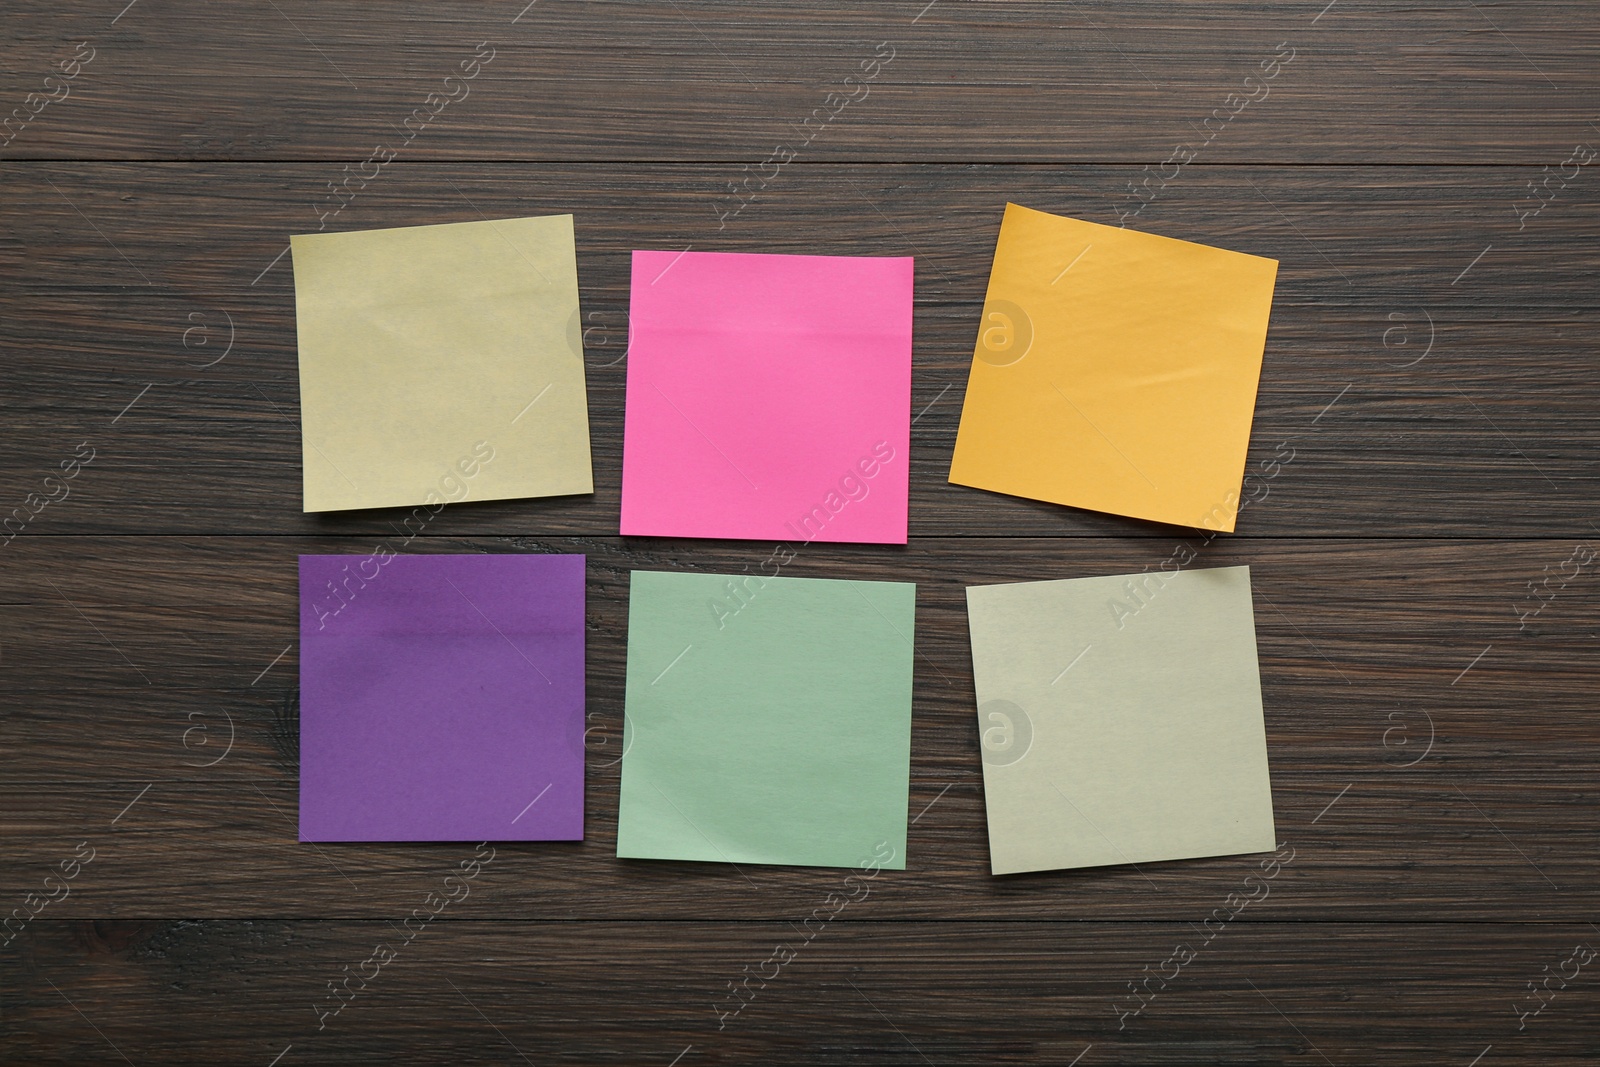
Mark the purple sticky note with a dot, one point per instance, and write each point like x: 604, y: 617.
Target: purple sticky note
x: 441, y: 698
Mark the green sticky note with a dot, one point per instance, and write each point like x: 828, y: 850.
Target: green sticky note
x: 768, y: 720
x: 1120, y: 719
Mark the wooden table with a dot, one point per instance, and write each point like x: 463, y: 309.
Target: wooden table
x: 1431, y: 366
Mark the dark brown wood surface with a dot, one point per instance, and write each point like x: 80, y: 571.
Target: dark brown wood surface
x: 1431, y: 363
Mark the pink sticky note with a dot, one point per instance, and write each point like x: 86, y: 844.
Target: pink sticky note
x: 769, y: 397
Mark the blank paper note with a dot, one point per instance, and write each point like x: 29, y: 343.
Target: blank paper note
x: 769, y: 397
x: 440, y: 364
x: 441, y: 697
x: 768, y: 720
x: 1115, y: 371
x: 1120, y: 719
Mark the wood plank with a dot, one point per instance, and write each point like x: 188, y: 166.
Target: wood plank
x: 1375, y: 654
x: 1454, y: 386
x: 1344, y: 235
x: 1040, y: 82
x: 1430, y: 363
x: 857, y: 990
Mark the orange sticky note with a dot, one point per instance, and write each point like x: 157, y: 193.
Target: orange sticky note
x: 1115, y: 371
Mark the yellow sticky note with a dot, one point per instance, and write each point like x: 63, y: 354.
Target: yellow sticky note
x: 1115, y: 371
x: 441, y: 364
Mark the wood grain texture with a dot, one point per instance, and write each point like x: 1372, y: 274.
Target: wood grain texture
x: 855, y: 991
x: 1362, y: 644
x: 1431, y: 364
x: 1465, y: 405
x: 969, y: 82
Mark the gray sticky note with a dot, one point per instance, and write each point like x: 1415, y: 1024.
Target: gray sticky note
x: 1120, y: 719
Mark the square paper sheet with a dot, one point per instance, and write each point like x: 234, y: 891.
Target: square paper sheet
x: 768, y: 720
x: 769, y: 397
x: 1120, y: 719
x: 1115, y: 371
x: 441, y: 698
x: 440, y: 364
